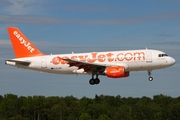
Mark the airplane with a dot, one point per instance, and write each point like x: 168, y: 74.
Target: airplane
x: 113, y: 64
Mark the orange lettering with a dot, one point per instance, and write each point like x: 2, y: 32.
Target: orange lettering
x: 139, y: 55
x: 109, y: 55
x: 56, y: 60
x: 120, y: 56
x: 83, y: 58
x: 93, y: 58
x: 128, y: 56
x: 101, y: 58
x: 74, y: 57
x: 64, y: 62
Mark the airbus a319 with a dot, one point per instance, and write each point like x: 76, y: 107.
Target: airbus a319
x: 113, y: 64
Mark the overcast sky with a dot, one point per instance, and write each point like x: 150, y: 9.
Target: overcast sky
x: 62, y: 26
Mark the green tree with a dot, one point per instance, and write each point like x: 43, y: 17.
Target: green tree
x: 72, y: 106
x: 85, y: 116
x: 175, y: 112
x: 58, y: 109
x: 165, y: 102
x: 104, y: 117
x: 9, y: 106
x: 102, y: 107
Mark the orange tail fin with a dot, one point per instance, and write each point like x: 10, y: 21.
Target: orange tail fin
x: 22, y: 46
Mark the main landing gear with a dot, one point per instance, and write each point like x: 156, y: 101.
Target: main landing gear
x: 93, y: 81
x: 149, y: 73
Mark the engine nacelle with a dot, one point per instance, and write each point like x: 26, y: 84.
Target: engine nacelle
x: 116, y: 72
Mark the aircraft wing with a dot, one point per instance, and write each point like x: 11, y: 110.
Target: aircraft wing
x: 87, y: 66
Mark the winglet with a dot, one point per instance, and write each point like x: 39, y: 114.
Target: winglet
x: 21, y: 45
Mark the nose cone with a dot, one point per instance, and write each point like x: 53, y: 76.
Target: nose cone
x: 172, y: 61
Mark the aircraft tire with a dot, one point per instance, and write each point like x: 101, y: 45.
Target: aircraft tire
x: 150, y: 78
x: 91, y: 81
x: 97, y: 81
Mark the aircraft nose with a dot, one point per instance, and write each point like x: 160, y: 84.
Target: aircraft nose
x: 172, y: 61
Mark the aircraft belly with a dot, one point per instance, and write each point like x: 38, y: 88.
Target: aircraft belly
x: 60, y: 69
x: 139, y: 66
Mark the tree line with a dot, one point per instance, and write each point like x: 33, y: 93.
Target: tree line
x: 101, y: 107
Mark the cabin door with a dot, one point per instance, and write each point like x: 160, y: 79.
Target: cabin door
x: 43, y: 62
x: 148, y: 56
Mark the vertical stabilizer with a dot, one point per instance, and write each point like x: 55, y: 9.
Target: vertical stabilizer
x: 21, y: 45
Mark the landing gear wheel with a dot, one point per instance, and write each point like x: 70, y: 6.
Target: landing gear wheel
x: 97, y: 81
x: 150, y: 78
x: 149, y: 73
x: 91, y: 81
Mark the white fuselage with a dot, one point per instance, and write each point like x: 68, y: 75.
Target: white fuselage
x: 132, y: 60
x: 113, y: 64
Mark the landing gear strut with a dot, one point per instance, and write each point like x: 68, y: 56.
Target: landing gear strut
x: 149, y: 73
x: 93, y: 81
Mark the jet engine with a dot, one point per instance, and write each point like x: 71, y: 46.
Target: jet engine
x: 116, y: 72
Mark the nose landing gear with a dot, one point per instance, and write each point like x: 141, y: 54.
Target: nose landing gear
x: 149, y: 73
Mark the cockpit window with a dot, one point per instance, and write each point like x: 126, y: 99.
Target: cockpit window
x: 162, y: 55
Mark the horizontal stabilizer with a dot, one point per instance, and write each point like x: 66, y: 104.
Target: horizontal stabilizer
x: 16, y: 62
